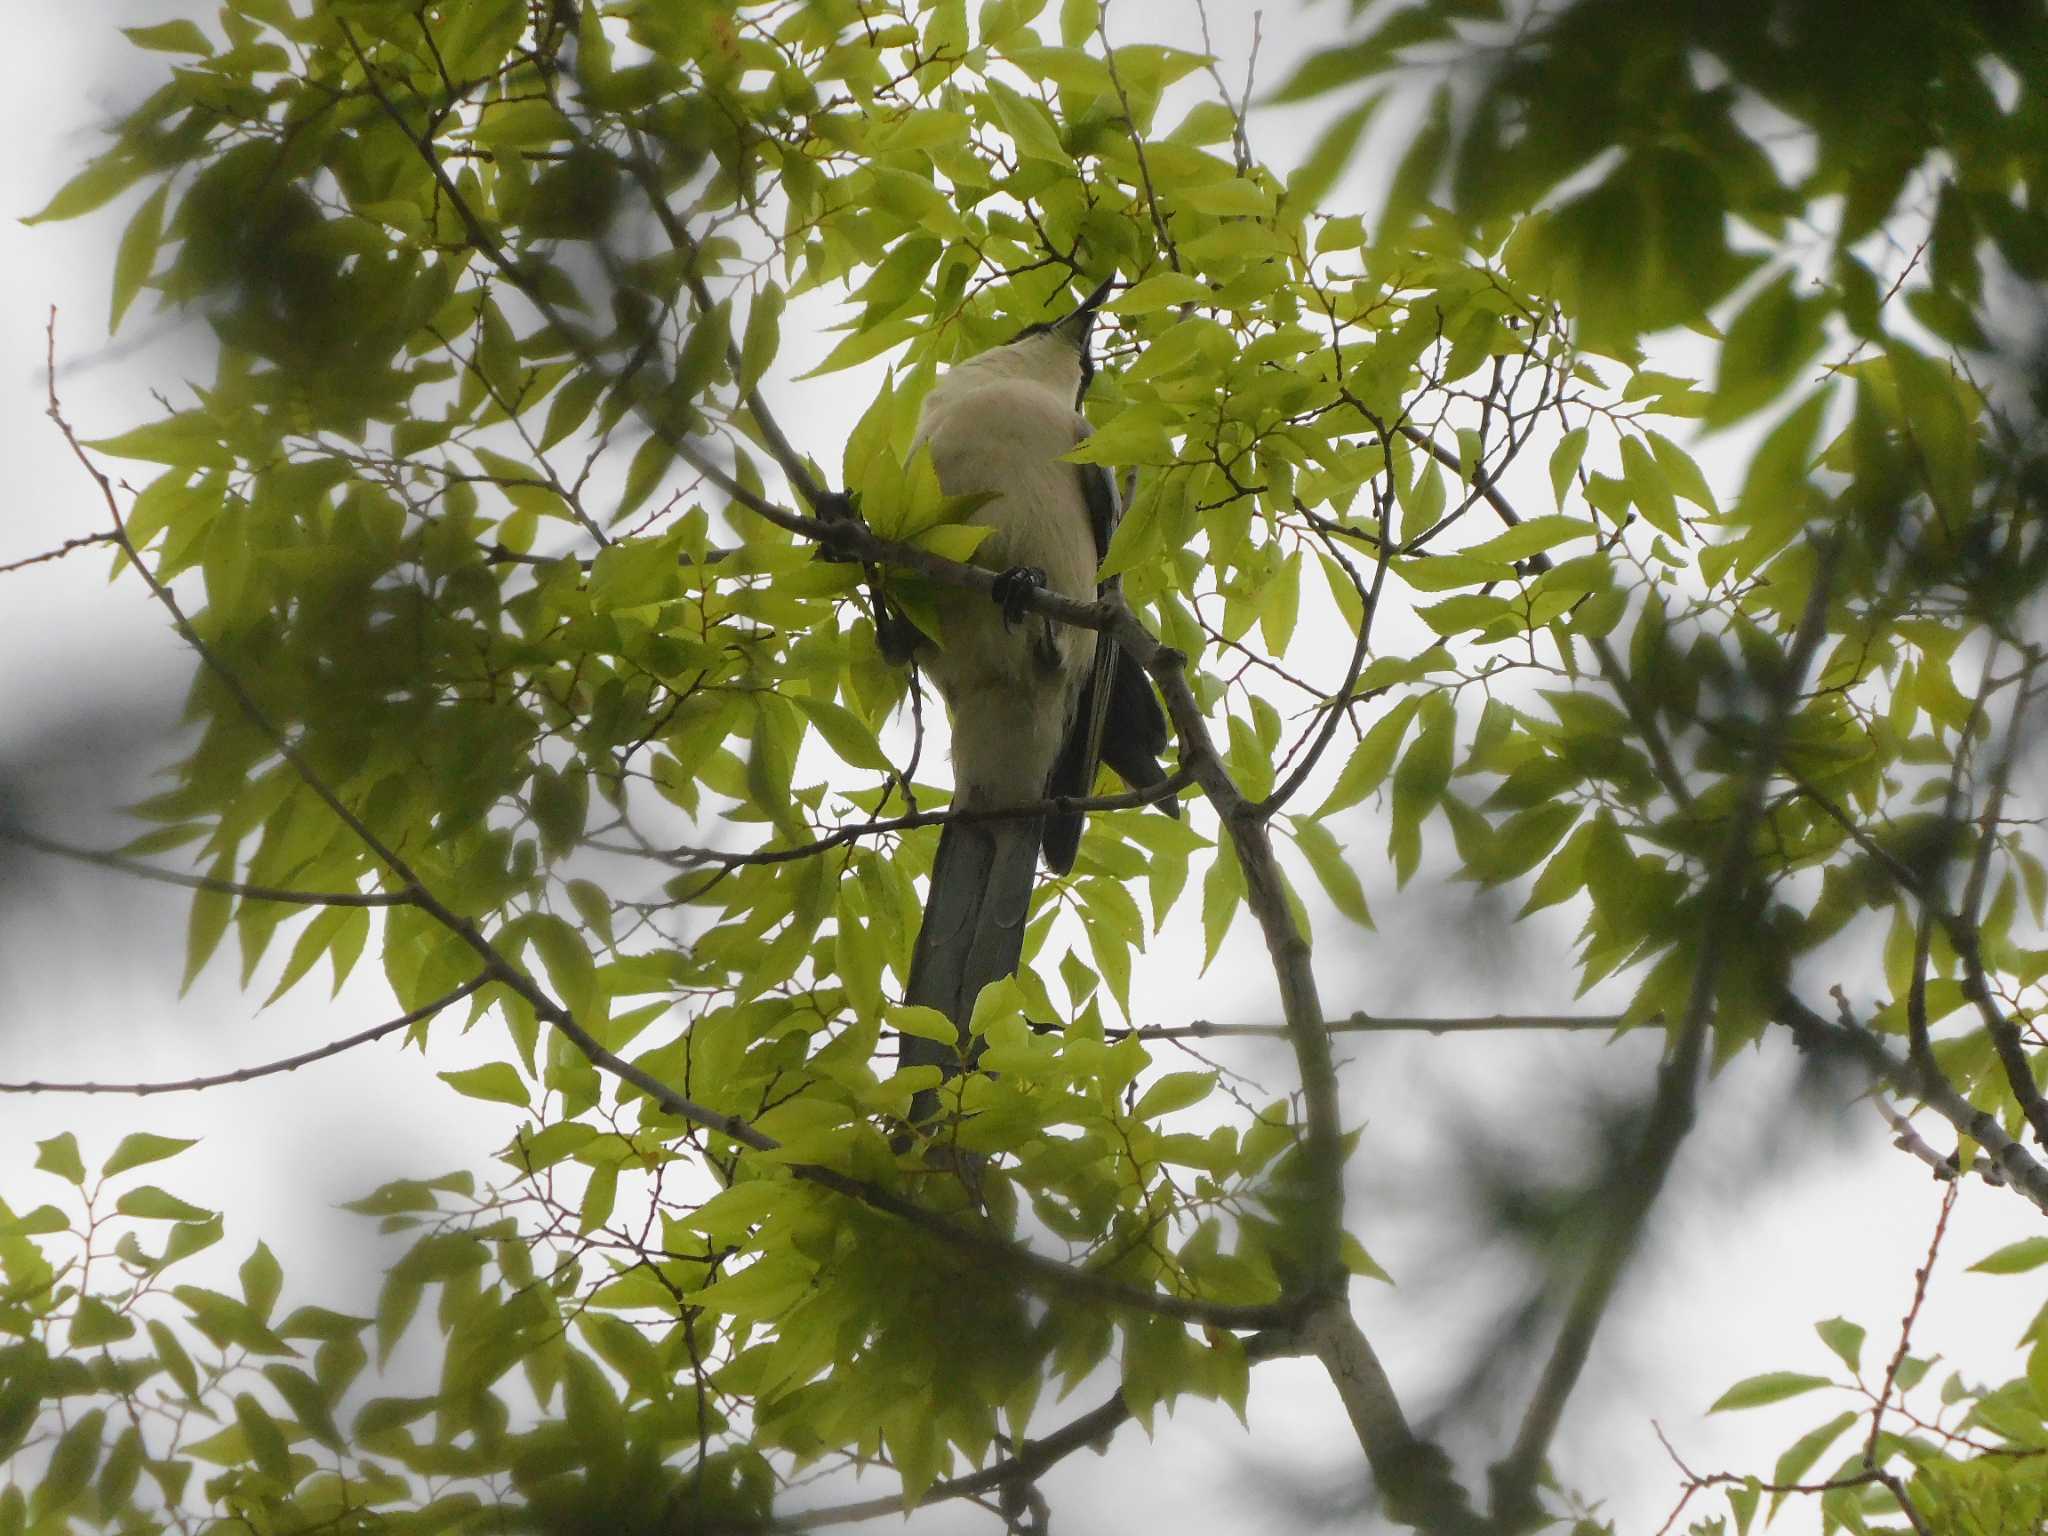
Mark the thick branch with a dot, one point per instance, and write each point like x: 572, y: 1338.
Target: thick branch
x: 1414, y: 1476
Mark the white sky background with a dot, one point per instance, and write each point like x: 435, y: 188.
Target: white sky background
x: 1783, y: 1209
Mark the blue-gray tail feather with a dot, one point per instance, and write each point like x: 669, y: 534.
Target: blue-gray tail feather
x: 972, y: 934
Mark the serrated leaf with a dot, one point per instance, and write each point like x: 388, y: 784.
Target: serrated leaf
x: 141, y: 1147
x: 1371, y: 759
x: 153, y: 1204
x: 1339, y: 880
x: 59, y: 1155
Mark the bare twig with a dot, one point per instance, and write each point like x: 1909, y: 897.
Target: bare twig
x: 245, y: 891
x: 268, y: 1069
x: 1373, y: 1024
x: 1920, y: 1279
x: 58, y: 553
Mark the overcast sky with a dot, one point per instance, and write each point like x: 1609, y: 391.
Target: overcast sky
x: 1783, y: 1209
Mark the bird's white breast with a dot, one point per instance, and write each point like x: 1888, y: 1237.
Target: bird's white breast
x: 990, y: 430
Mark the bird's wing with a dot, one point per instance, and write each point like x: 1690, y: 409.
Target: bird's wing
x: 1119, y: 720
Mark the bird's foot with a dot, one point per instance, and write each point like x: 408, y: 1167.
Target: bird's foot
x: 837, y: 509
x: 1013, y: 590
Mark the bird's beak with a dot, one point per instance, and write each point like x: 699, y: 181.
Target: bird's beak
x: 1077, y: 327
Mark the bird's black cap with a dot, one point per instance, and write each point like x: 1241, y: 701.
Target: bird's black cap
x: 1075, y: 328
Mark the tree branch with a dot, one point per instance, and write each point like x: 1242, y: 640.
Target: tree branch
x: 141, y: 871
x: 1374, y: 1024
x: 55, y: 554
x: 268, y: 1069
x: 1725, y: 902
x: 1032, y: 1462
x: 692, y: 856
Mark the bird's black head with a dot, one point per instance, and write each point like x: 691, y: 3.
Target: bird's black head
x: 1075, y: 329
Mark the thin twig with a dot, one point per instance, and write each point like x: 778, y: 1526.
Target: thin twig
x: 246, y: 891
x: 58, y: 553
x: 270, y: 1068
x: 1920, y: 1279
x: 1373, y: 1024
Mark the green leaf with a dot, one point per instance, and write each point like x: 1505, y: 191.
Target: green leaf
x: 599, y: 1197
x: 1419, y: 783
x: 1327, y: 161
x: 1222, y: 891
x: 174, y: 1358
x: 1176, y: 1090
x: 1770, y: 1387
x: 1160, y: 291
x: 59, y: 1155
x: 135, y: 257
x: 1649, y: 490
x: 204, y: 927
x: 763, y: 338
x: 1530, y: 537
x: 141, y: 1147
x: 843, y: 732
x: 180, y: 36
x: 568, y: 963
x: 1800, y: 1456
x: 1338, y: 879
x: 1028, y: 124
x: 1371, y: 759
x: 1773, y: 337
x: 1564, y: 461
x: 1844, y: 1338
x: 262, y: 1279
x: 1681, y: 473
x: 266, y: 1440
x: 302, y: 1394
x: 70, y: 1467
x: 95, y: 1323
x: 498, y: 1082
x: 2014, y: 1258
x: 152, y: 1204
x: 100, y: 182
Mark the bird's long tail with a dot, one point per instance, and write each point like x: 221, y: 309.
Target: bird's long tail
x: 972, y: 934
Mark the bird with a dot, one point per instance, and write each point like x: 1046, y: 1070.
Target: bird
x: 1036, y: 705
